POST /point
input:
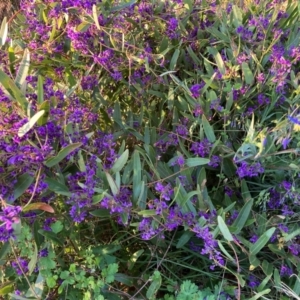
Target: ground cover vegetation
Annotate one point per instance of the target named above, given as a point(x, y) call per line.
point(150, 150)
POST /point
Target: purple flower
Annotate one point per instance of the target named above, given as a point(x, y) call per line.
point(214, 161)
point(285, 142)
point(20, 267)
point(285, 271)
point(166, 191)
point(253, 239)
point(147, 230)
point(246, 170)
point(253, 282)
point(201, 148)
point(8, 217)
point(197, 110)
point(195, 90)
point(294, 120)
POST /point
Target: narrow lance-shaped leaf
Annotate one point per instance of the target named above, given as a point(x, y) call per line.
point(3, 32)
point(262, 241)
point(39, 206)
point(61, 155)
point(174, 59)
point(23, 69)
point(95, 16)
point(209, 132)
point(242, 218)
point(12, 90)
point(224, 229)
point(27, 126)
point(40, 90)
point(218, 59)
point(120, 162)
point(136, 176)
point(23, 183)
point(112, 184)
point(249, 78)
point(44, 118)
point(196, 161)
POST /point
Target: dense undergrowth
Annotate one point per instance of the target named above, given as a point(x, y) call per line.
point(150, 150)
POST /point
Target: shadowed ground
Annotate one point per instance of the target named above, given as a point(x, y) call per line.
point(7, 7)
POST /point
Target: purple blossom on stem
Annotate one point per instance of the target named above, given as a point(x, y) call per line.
point(285, 271)
point(253, 282)
point(214, 161)
point(201, 148)
point(8, 217)
point(246, 170)
point(20, 267)
point(195, 90)
point(294, 120)
point(166, 191)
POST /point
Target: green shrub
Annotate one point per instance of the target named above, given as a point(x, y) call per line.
point(150, 151)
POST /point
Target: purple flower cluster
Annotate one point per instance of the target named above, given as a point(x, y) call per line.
point(8, 217)
point(21, 266)
point(201, 148)
point(245, 169)
point(210, 246)
point(165, 191)
point(196, 88)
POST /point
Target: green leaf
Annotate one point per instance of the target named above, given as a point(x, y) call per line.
point(258, 295)
point(293, 234)
point(33, 261)
point(3, 31)
point(57, 227)
point(5, 249)
point(174, 59)
point(209, 132)
point(242, 218)
point(13, 90)
point(38, 238)
point(249, 78)
point(237, 16)
point(254, 261)
point(225, 251)
point(196, 161)
point(40, 90)
point(23, 183)
point(100, 213)
point(38, 288)
point(51, 236)
point(120, 162)
point(44, 118)
point(224, 229)
point(218, 58)
point(6, 288)
point(23, 69)
point(124, 279)
point(147, 213)
point(61, 155)
point(134, 258)
point(57, 187)
point(154, 286)
point(112, 184)
point(267, 268)
point(95, 16)
point(27, 126)
point(245, 191)
point(137, 168)
point(185, 237)
point(262, 241)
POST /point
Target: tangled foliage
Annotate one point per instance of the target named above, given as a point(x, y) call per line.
point(150, 150)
